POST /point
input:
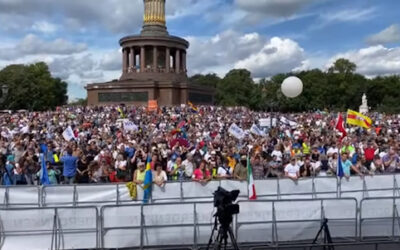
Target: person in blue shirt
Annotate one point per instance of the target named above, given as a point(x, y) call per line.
point(70, 164)
point(348, 166)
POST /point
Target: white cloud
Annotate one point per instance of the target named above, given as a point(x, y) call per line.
point(277, 56)
point(274, 8)
point(230, 49)
point(389, 35)
point(44, 27)
point(33, 45)
point(372, 61)
point(350, 15)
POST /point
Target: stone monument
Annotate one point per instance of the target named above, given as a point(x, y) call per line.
point(153, 68)
point(364, 105)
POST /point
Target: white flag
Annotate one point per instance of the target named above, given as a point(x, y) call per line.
point(256, 130)
point(68, 134)
point(130, 126)
point(237, 132)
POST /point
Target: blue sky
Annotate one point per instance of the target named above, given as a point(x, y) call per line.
point(79, 39)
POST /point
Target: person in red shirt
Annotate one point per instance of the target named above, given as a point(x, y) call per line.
point(369, 153)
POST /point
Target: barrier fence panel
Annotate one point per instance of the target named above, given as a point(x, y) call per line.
point(267, 189)
point(3, 196)
point(353, 187)
point(23, 196)
point(121, 226)
point(197, 191)
point(379, 185)
point(168, 224)
point(27, 228)
point(58, 195)
point(297, 220)
point(325, 187)
point(300, 189)
point(204, 221)
point(49, 228)
point(255, 222)
point(124, 197)
point(95, 194)
point(342, 217)
point(378, 218)
point(170, 192)
point(77, 228)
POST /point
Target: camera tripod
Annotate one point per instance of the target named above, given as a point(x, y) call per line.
point(223, 232)
point(327, 236)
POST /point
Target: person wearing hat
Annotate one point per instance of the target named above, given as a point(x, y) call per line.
point(240, 171)
point(140, 173)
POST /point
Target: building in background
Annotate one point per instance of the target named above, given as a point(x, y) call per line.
point(154, 67)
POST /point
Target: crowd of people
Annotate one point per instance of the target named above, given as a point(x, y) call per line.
point(187, 144)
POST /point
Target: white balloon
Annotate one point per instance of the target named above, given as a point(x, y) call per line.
point(292, 87)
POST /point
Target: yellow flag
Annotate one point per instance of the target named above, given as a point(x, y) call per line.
point(358, 119)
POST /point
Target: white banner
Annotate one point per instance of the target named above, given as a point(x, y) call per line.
point(68, 134)
point(130, 126)
point(256, 130)
point(288, 122)
point(237, 132)
point(266, 122)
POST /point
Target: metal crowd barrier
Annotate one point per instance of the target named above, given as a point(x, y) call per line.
point(274, 189)
point(188, 224)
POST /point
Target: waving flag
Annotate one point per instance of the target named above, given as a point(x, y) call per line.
point(250, 180)
point(148, 180)
point(358, 119)
point(340, 127)
point(193, 108)
point(44, 176)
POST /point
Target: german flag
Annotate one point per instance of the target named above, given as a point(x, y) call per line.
point(358, 119)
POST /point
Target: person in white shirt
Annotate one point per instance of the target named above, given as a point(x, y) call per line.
point(332, 150)
point(188, 164)
point(277, 153)
point(224, 171)
point(292, 170)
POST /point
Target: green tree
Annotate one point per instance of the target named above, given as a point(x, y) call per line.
point(32, 87)
point(343, 66)
point(210, 80)
point(235, 88)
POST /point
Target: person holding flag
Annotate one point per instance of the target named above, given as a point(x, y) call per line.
point(148, 180)
point(193, 108)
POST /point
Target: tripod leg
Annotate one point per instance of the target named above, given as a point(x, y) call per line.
point(233, 239)
point(212, 234)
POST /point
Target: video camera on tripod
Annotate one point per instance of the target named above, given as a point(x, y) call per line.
point(223, 201)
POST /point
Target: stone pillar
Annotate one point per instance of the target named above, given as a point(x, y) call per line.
point(124, 61)
point(155, 56)
point(132, 59)
point(167, 59)
point(142, 59)
point(177, 61)
point(184, 61)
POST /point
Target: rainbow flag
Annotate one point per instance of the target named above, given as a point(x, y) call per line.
point(193, 108)
point(148, 180)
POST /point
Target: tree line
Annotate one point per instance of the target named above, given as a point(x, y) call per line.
point(337, 89)
point(31, 87)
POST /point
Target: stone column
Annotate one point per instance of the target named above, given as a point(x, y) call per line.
point(142, 59)
point(167, 59)
point(184, 61)
point(177, 61)
point(131, 59)
point(134, 58)
point(155, 64)
point(124, 61)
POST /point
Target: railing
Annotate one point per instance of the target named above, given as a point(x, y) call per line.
point(274, 189)
point(270, 223)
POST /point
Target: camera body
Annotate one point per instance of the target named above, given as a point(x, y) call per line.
point(223, 201)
